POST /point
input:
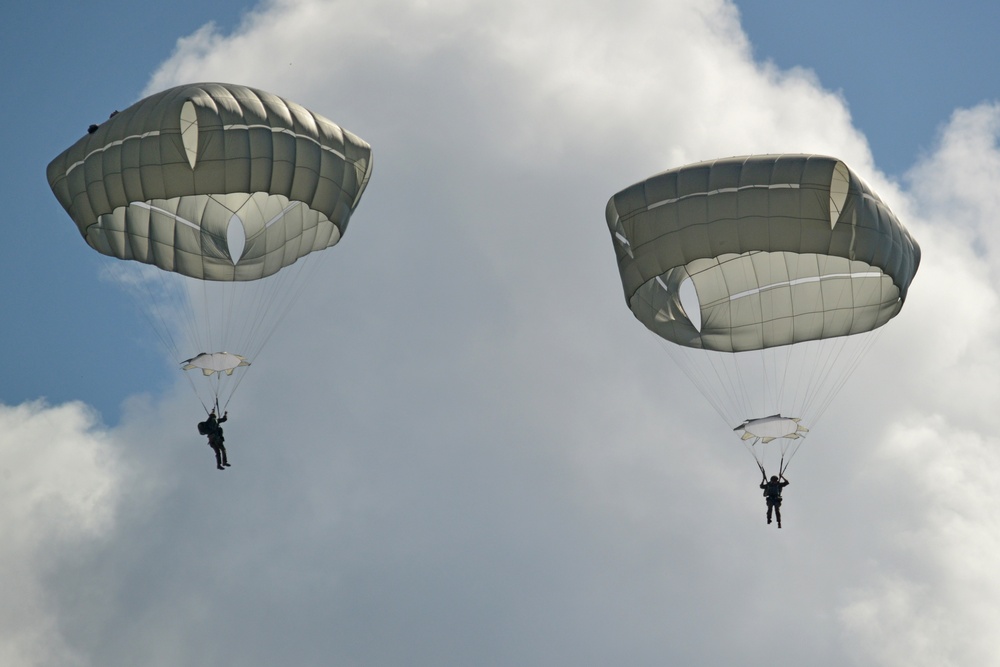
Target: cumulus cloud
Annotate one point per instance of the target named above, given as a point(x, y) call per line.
point(931, 598)
point(492, 462)
point(957, 181)
point(928, 597)
point(59, 494)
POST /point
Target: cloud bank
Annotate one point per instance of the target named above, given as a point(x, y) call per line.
point(58, 496)
point(494, 463)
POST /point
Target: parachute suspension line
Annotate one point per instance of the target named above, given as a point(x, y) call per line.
point(255, 300)
point(726, 380)
point(773, 373)
point(243, 297)
point(781, 465)
point(171, 312)
point(741, 382)
point(786, 353)
point(806, 378)
point(235, 333)
point(728, 377)
point(159, 296)
point(846, 355)
point(752, 377)
point(251, 345)
point(188, 320)
point(291, 284)
point(868, 341)
point(723, 378)
point(832, 363)
point(810, 375)
point(826, 364)
point(788, 452)
point(751, 447)
point(209, 344)
point(734, 384)
point(226, 317)
point(768, 383)
point(216, 381)
point(137, 285)
point(240, 316)
point(697, 375)
point(165, 301)
point(259, 302)
point(225, 406)
point(196, 392)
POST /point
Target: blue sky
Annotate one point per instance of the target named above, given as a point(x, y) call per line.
point(902, 69)
point(461, 448)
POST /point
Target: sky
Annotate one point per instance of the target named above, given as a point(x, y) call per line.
point(460, 448)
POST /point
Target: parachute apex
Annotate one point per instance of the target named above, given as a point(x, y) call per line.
point(770, 428)
point(215, 362)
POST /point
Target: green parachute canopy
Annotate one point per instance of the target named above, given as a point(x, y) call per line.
point(780, 249)
point(765, 275)
point(225, 187)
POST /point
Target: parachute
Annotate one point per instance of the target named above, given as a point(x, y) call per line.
point(766, 276)
point(226, 193)
point(216, 362)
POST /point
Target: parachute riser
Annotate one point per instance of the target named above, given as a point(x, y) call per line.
point(782, 463)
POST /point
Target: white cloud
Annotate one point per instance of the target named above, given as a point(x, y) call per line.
point(958, 181)
point(929, 598)
point(494, 464)
point(58, 495)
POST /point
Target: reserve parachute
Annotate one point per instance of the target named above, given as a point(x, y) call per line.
point(220, 196)
point(766, 276)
